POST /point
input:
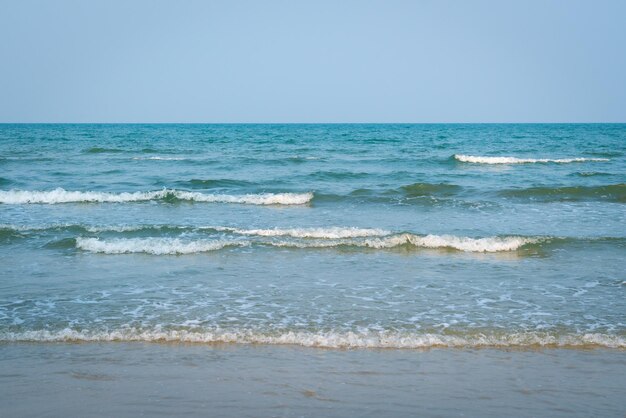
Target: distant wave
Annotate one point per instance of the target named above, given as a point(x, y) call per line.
point(335, 175)
point(327, 339)
point(215, 183)
point(513, 160)
point(589, 173)
point(101, 150)
point(415, 193)
point(612, 193)
point(160, 246)
point(104, 150)
point(60, 195)
point(302, 158)
point(160, 158)
point(451, 194)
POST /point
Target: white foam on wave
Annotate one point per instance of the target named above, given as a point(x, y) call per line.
point(159, 246)
point(155, 246)
point(330, 339)
point(326, 233)
point(252, 199)
point(488, 244)
point(60, 195)
point(161, 158)
point(513, 160)
point(466, 244)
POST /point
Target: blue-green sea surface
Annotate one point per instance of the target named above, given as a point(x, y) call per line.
point(399, 236)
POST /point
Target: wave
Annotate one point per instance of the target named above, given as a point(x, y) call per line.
point(429, 189)
point(612, 193)
point(513, 160)
point(490, 244)
point(447, 242)
point(101, 150)
point(155, 246)
point(327, 233)
point(154, 151)
point(104, 150)
point(328, 339)
point(335, 175)
point(83, 228)
point(415, 193)
point(589, 174)
point(302, 158)
point(7, 234)
point(60, 195)
point(162, 246)
point(308, 237)
point(215, 183)
point(161, 158)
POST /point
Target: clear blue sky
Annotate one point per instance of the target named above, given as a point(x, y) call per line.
point(313, 61)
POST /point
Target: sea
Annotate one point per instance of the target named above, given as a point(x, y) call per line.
point(396, 238)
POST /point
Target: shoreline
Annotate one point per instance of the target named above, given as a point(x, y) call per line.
point(223, 344)
point(337, 339)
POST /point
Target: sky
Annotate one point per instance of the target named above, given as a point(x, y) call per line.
point(312, 61)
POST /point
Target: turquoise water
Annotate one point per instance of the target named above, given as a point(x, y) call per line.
point(319, 235)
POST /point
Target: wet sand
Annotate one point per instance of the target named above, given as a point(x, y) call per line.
point(131, 379)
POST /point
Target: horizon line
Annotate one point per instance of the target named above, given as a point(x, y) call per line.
point(312, 123)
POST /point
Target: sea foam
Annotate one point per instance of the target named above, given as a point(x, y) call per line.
point(380, 238)
point(328, 339)
point(156, 246)
point(488, 244)
point(160, 246)
point(324, 233)
point(60, 195)
point(513, 160)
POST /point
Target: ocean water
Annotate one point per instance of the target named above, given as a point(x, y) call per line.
point(351, 236)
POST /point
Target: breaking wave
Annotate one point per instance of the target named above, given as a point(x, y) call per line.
point(329, 339)
point(156, 246)
point(513, 160)
point(322, 239)
point(60, 195)
point(185, 239)
point(327, 233)
point(466, 244)
point(490, 244)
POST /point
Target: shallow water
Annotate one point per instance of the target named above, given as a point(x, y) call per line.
point(399, 236)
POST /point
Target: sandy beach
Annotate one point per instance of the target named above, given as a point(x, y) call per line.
point(128, 380)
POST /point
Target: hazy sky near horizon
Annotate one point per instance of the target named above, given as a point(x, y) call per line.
point(312, 61)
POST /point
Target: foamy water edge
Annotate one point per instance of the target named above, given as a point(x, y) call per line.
point(330, 339)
